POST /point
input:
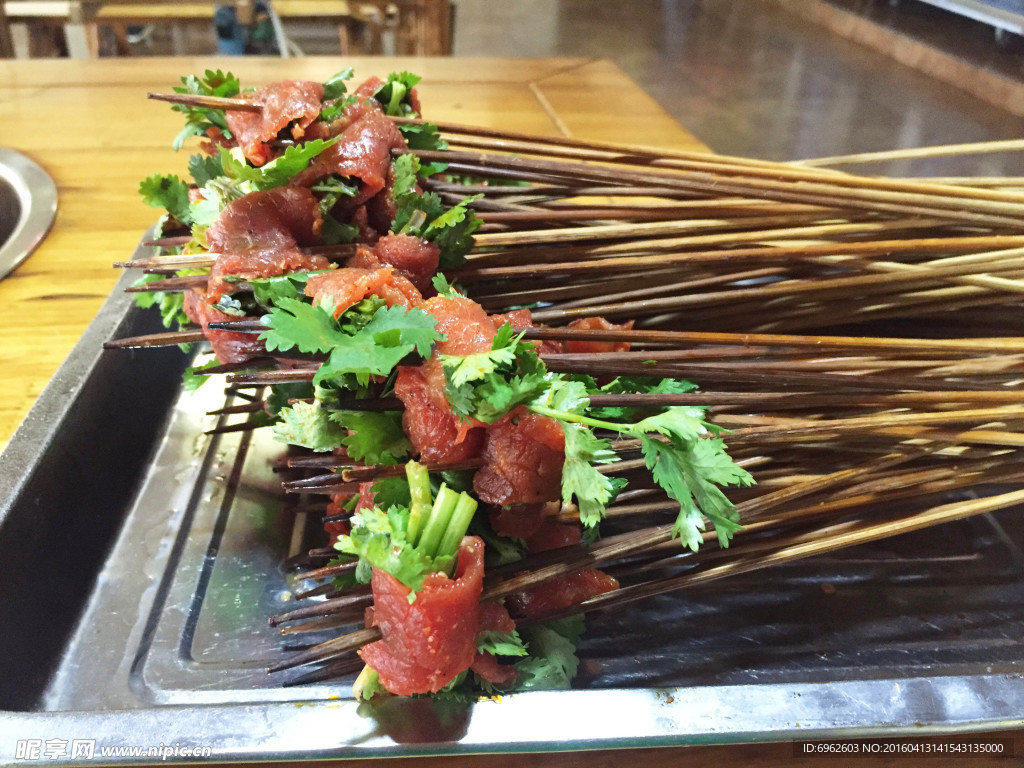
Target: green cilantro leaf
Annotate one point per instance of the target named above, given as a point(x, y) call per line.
point(391, 492)
point(391, 334)
point(451, 229)
point(205, 168)
point(565, 395)
point(407, 168)
point(487, 385)
point(336, 87)
point(378, 539)
point(296, 324)
point(356, 317)
point(168, 192)
point(690, 469)
point(310, 426)
point(335, 232)
point(444, 288)
point(393, 326)
point(680, 423)
point(199, 119)
point(637, 384)
point(500, 643)
point(193, 378)
point(592, 490)
point(394, 94)
point(552, 662)
point(333, 189)
point(278, 171)
point(280, 394)
point(453, 232)
point(375, 437)
point(425, 136)
point(171, 305)
point(462, 369)
point(269, 291)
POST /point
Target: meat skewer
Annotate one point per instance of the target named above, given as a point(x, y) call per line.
point(946, 407)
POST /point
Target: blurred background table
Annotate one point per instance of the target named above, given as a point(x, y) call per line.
point(420, 27)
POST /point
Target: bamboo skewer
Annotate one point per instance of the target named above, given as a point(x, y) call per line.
point(796, 547)
point(946, 150)
point(701, 228)
point(211, 102)
point(948, 207)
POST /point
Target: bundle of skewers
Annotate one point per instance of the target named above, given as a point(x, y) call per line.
point(531, 353)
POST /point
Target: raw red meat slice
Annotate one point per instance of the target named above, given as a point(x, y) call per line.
point(523, 460)
point(349, 285)
point(262, 235)
point(363, 151)
point(517, 521)
point(559, 593)
point(597, 324)
point(434, 431)
point(552, 534)
point(425, 644)
point(465, 325)
point(430, 425)
point(228, 347)
point(519, 318)
point(523, 318)
point(413, 257)
point(284, 103)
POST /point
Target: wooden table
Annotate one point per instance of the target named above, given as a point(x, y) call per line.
point(90, 125)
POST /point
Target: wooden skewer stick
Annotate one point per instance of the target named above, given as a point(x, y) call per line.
point(794, 172)
point(966, 346)
point(211, 102)
point(803, 544)
point(945, 150)
point(950, 207)
point(156, 340)
point(176, 261)
point(172, 284)
point(807, 546)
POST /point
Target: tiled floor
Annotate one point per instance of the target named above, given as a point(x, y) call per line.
point(745, 77)
point(749, 79)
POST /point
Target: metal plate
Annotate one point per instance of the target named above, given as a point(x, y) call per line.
point(140, 559)
point(28, 204)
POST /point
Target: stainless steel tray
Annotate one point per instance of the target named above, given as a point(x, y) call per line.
point(140, 559)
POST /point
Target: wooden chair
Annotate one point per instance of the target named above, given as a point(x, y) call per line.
point(421, 27)
point(6, 41)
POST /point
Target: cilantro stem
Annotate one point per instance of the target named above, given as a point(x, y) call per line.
point(366, 684)
point(437, 521)
point(624, 429)
point(457, 526)
point(419, 491)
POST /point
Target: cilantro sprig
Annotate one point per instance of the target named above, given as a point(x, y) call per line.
point(200, 119)
point(689, 461)
point(425, 215)
point(395, 95)
point(411, 542)
point(487, 385)
point(169, 193)
point(373, 350)
point(684, 453)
